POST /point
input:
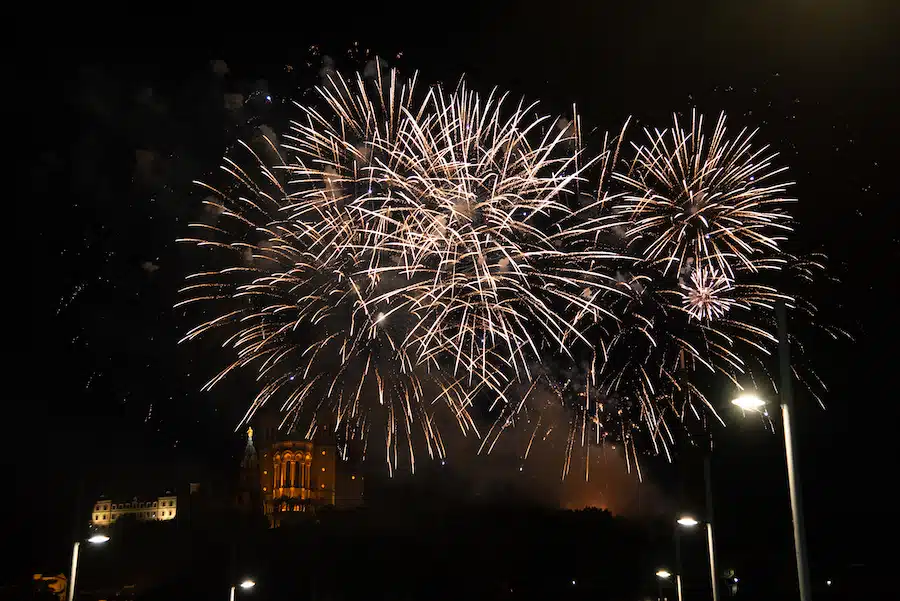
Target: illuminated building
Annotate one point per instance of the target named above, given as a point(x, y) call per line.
point(107, 511)
point(294, 474)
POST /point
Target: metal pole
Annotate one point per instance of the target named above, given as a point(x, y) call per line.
point(713, 575)
point(74, 572)
point(787, 407)
point(231, 569)
point(678, 564)
point(76, 534)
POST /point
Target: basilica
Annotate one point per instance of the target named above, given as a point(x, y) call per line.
point(283, 473)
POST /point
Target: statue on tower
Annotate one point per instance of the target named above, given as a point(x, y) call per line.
point(248, 490)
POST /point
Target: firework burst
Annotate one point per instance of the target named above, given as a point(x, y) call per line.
point(705, 221)
point(690, 195)
point(404, 252)
point(393, 255)
point(705, 297)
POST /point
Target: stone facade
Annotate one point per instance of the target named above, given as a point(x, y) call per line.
point(107, 511)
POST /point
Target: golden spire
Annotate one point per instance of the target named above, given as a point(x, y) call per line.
point(250, 433)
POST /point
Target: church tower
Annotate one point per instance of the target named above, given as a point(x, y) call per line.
point(293, 474)
point(249, 498)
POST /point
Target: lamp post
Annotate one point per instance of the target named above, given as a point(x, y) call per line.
point(750, 402)
point(661, 574)
point(247, 584)
point(684, 521)
point(97, 539)
point(710, 539)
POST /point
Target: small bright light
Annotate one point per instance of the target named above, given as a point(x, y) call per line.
point(573, 583)
point(749, 402)
point(248, 584)
point(98, 539)
point(664, 574)
point(269, 98)
point(687, 521)
point(828, 582)
point(737, 580)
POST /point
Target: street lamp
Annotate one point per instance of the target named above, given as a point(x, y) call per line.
point(684, 521)
point(751, 402)
point(97, 539)
point(246, 584)
point(661, 574)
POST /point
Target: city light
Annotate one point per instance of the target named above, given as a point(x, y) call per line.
point(687, 521)
point(664, 574)
point(749, 402)
point(247, 584)
point(98, 539)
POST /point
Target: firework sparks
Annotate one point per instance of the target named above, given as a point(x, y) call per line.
point(395, 235)
point(689, 195)
point(705, 297)
point(404, 250)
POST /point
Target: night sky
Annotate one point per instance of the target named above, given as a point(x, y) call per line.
point(107, 142)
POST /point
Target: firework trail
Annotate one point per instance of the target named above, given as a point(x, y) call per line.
point(706, 222)
point(397, 252)
point(688, 194)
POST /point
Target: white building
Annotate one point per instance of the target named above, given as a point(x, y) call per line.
point(106, 511)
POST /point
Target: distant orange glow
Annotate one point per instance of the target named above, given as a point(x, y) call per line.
point(575, 505)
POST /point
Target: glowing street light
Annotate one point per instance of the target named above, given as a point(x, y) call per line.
point(661, 575)
point(749, 402)
point(97, 539)
point(685, 521)
point(246, 584)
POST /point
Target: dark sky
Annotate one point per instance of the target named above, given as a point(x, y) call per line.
point(111, 127)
